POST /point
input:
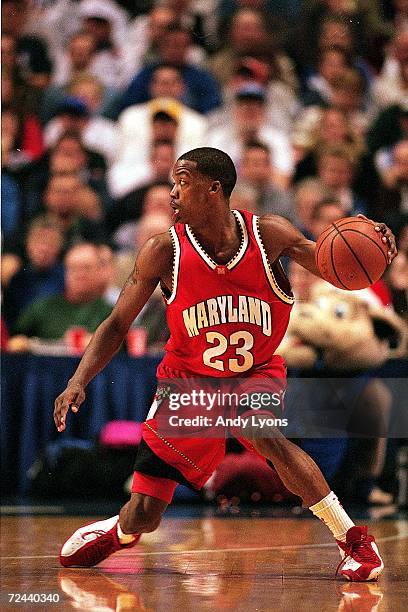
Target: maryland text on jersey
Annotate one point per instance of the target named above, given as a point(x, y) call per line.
point(228, 309)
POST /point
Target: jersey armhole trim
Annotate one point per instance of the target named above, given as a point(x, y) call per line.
point(176, 264)
point(278, 291)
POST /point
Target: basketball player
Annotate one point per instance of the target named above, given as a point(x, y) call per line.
point(228, 307)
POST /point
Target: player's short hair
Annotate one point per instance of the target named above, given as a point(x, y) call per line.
point(215, 164)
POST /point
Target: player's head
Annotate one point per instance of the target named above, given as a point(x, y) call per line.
point(215, 165)
point(203, 181)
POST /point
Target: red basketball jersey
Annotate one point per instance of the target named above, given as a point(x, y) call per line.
point(225, 320)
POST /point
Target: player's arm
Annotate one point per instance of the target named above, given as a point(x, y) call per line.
point(278, 233)
point(153, 264)
point(281, 238)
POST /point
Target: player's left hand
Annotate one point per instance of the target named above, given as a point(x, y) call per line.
point(387, 237)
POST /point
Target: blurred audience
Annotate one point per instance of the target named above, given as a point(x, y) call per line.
point(257, 171)
point(336, 168)
point(98, 134)
point(249, 34)
point(98, 101)
point(202, 90)
point(39, 272)
point(145, 124)
point(307, 195)
point(75, 207)
point(249, 121)
point(155, 211)
point(332, 63)
point(331, 127)
point(31, 51)
point(397, 275)
point(325, 212)
point(80, 305)
point(391, 198)
point(391, 86)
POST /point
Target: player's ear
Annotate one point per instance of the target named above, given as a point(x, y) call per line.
point(215, 186)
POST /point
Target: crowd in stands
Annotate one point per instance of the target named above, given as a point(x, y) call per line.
point(99, 98)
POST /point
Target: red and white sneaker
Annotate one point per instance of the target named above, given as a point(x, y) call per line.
point(361, 560)
point(93, 543)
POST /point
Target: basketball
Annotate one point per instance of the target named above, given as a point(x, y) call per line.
point(350, 253)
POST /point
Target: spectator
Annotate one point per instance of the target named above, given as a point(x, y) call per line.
point(332, 63)
point(57, 21)
point(397, 276)
point(158, 171)
point(392, 88)
point(107, 276)
point(69, 156)
point(40, 273)
point(391, 198)
point(81, 303)
point(21, 146)
point(156, 203)
point(197, 17)
point(324, 213)
point(74, 207)
point(307, 194)
point(32, 53)
point(337, 29)
point(202, 91)
point(257, 170)
point(16, 90)
point(249, 122)
point(97, 133)
point(336, 168)
point(250, 34)
point(75, 60)
point(331, 128)
point(347, 98)
point(107, 23)
point(21, 138)
point(282, 102)
point(146, 31)
point(144, 124)
point(245, 197)
point(399, 11)
point(100, 100)
point(153, 316)
point(390, 127)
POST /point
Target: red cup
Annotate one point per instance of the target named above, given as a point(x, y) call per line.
point(137, 341)
point(77, 339)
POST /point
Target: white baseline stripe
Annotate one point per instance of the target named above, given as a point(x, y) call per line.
point(400, 536)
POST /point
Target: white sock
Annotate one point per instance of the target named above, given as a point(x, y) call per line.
point(124, 538)
point(331, 512)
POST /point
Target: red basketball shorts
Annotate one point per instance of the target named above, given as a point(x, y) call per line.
point(189, 455)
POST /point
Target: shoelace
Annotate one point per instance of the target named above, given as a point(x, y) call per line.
point(364, 549)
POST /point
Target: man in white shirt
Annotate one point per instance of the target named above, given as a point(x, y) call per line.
point(248, 121)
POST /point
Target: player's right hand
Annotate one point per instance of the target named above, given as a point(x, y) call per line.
point(72, 397)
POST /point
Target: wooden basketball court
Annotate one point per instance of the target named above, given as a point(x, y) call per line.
point(197, 564)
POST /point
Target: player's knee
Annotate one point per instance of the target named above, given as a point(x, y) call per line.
point(142, 514)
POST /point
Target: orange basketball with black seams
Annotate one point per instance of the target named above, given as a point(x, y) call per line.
point(350, 253)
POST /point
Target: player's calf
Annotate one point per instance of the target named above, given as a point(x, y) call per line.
point(142, 514)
